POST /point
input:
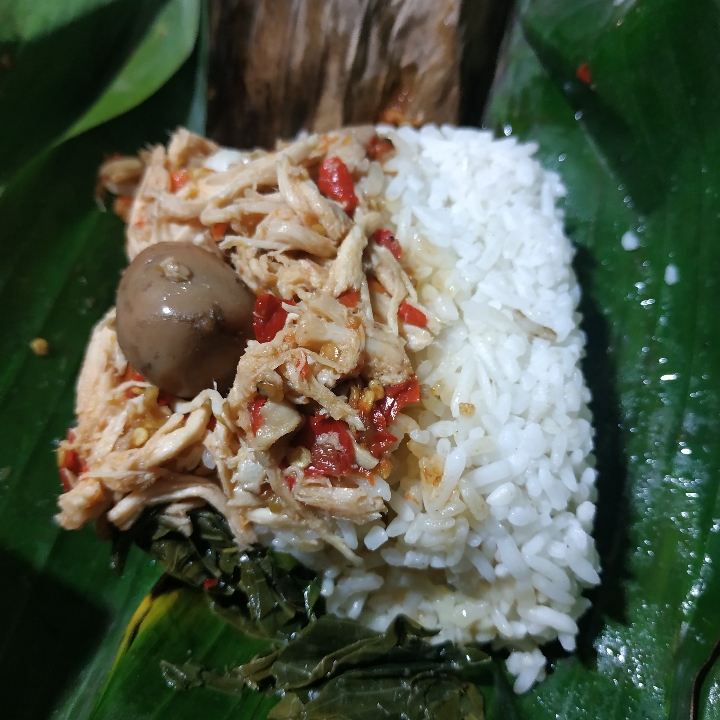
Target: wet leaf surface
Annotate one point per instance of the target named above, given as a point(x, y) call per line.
point(637, 149)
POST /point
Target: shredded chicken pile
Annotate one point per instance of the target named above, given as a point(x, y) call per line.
point(304, 394)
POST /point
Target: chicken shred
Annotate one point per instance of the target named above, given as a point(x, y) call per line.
point(243, 453)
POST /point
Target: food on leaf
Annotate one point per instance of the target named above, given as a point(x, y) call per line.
point(410, 419)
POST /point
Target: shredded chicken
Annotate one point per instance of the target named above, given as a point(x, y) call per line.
point(260, 454)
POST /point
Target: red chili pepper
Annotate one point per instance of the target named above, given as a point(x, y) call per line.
point(256, 419)
point(122, 205)
point(411, 315)
point(377, 441)
point(210, 583)
point(335, 181)
point(269, 316)
point(68, 459)
point(388, 240)
point(349, 298)
point(178, 179)
point(290, 481)
point(396, 398)
point(379, 420)
point(331, 447)
point(583, 73)
point(378, 147)
point(132, 375)
point(71, 461)
point(218, 230)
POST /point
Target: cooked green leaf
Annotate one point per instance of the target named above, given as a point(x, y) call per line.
point(336, 668)
point(264, 593)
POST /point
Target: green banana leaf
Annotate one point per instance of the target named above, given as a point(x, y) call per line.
point(166, 626)
point(709, 695)
point(63, 610)
point(167, 44)
point(638, 151)
point(636, 138)
point(57, 58)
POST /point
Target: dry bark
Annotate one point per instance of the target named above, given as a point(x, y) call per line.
point(279, 66)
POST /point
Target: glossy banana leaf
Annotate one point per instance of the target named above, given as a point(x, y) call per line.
point(174, 625)
point(62, 610)
point(167, 44)
point(58, 58)
point(623, 99)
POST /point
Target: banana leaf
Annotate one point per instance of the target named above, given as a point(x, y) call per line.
point(623, 100)
point(167, 44)
point(43, 43)
point(63, 609)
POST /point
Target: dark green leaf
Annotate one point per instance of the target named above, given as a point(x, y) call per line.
point(638, 150)
point(709, 700)
point(263, 593)
point(166, 46)
point(63, 609)
point(56, 59)
point(337, 668)
point(172, 624)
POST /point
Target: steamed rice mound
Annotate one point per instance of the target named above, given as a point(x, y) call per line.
point(479, 520)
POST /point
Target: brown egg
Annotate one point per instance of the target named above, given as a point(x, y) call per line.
point(183, 318)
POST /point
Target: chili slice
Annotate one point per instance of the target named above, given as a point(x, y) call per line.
point(335, 181)
point(218, 230)
point(583, 74)
point(377, 147)
point(388, 240)
point(396, 398)
point(178, 179)
point(349, 298)
point(411, 315)
point(376, 441)
point(269, 317)
point(256, 419)
point(331, 447)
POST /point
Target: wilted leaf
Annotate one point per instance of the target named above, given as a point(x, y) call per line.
point(262, 592)
point(337, 668)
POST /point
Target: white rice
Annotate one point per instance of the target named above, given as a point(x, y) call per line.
point(499, 550)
